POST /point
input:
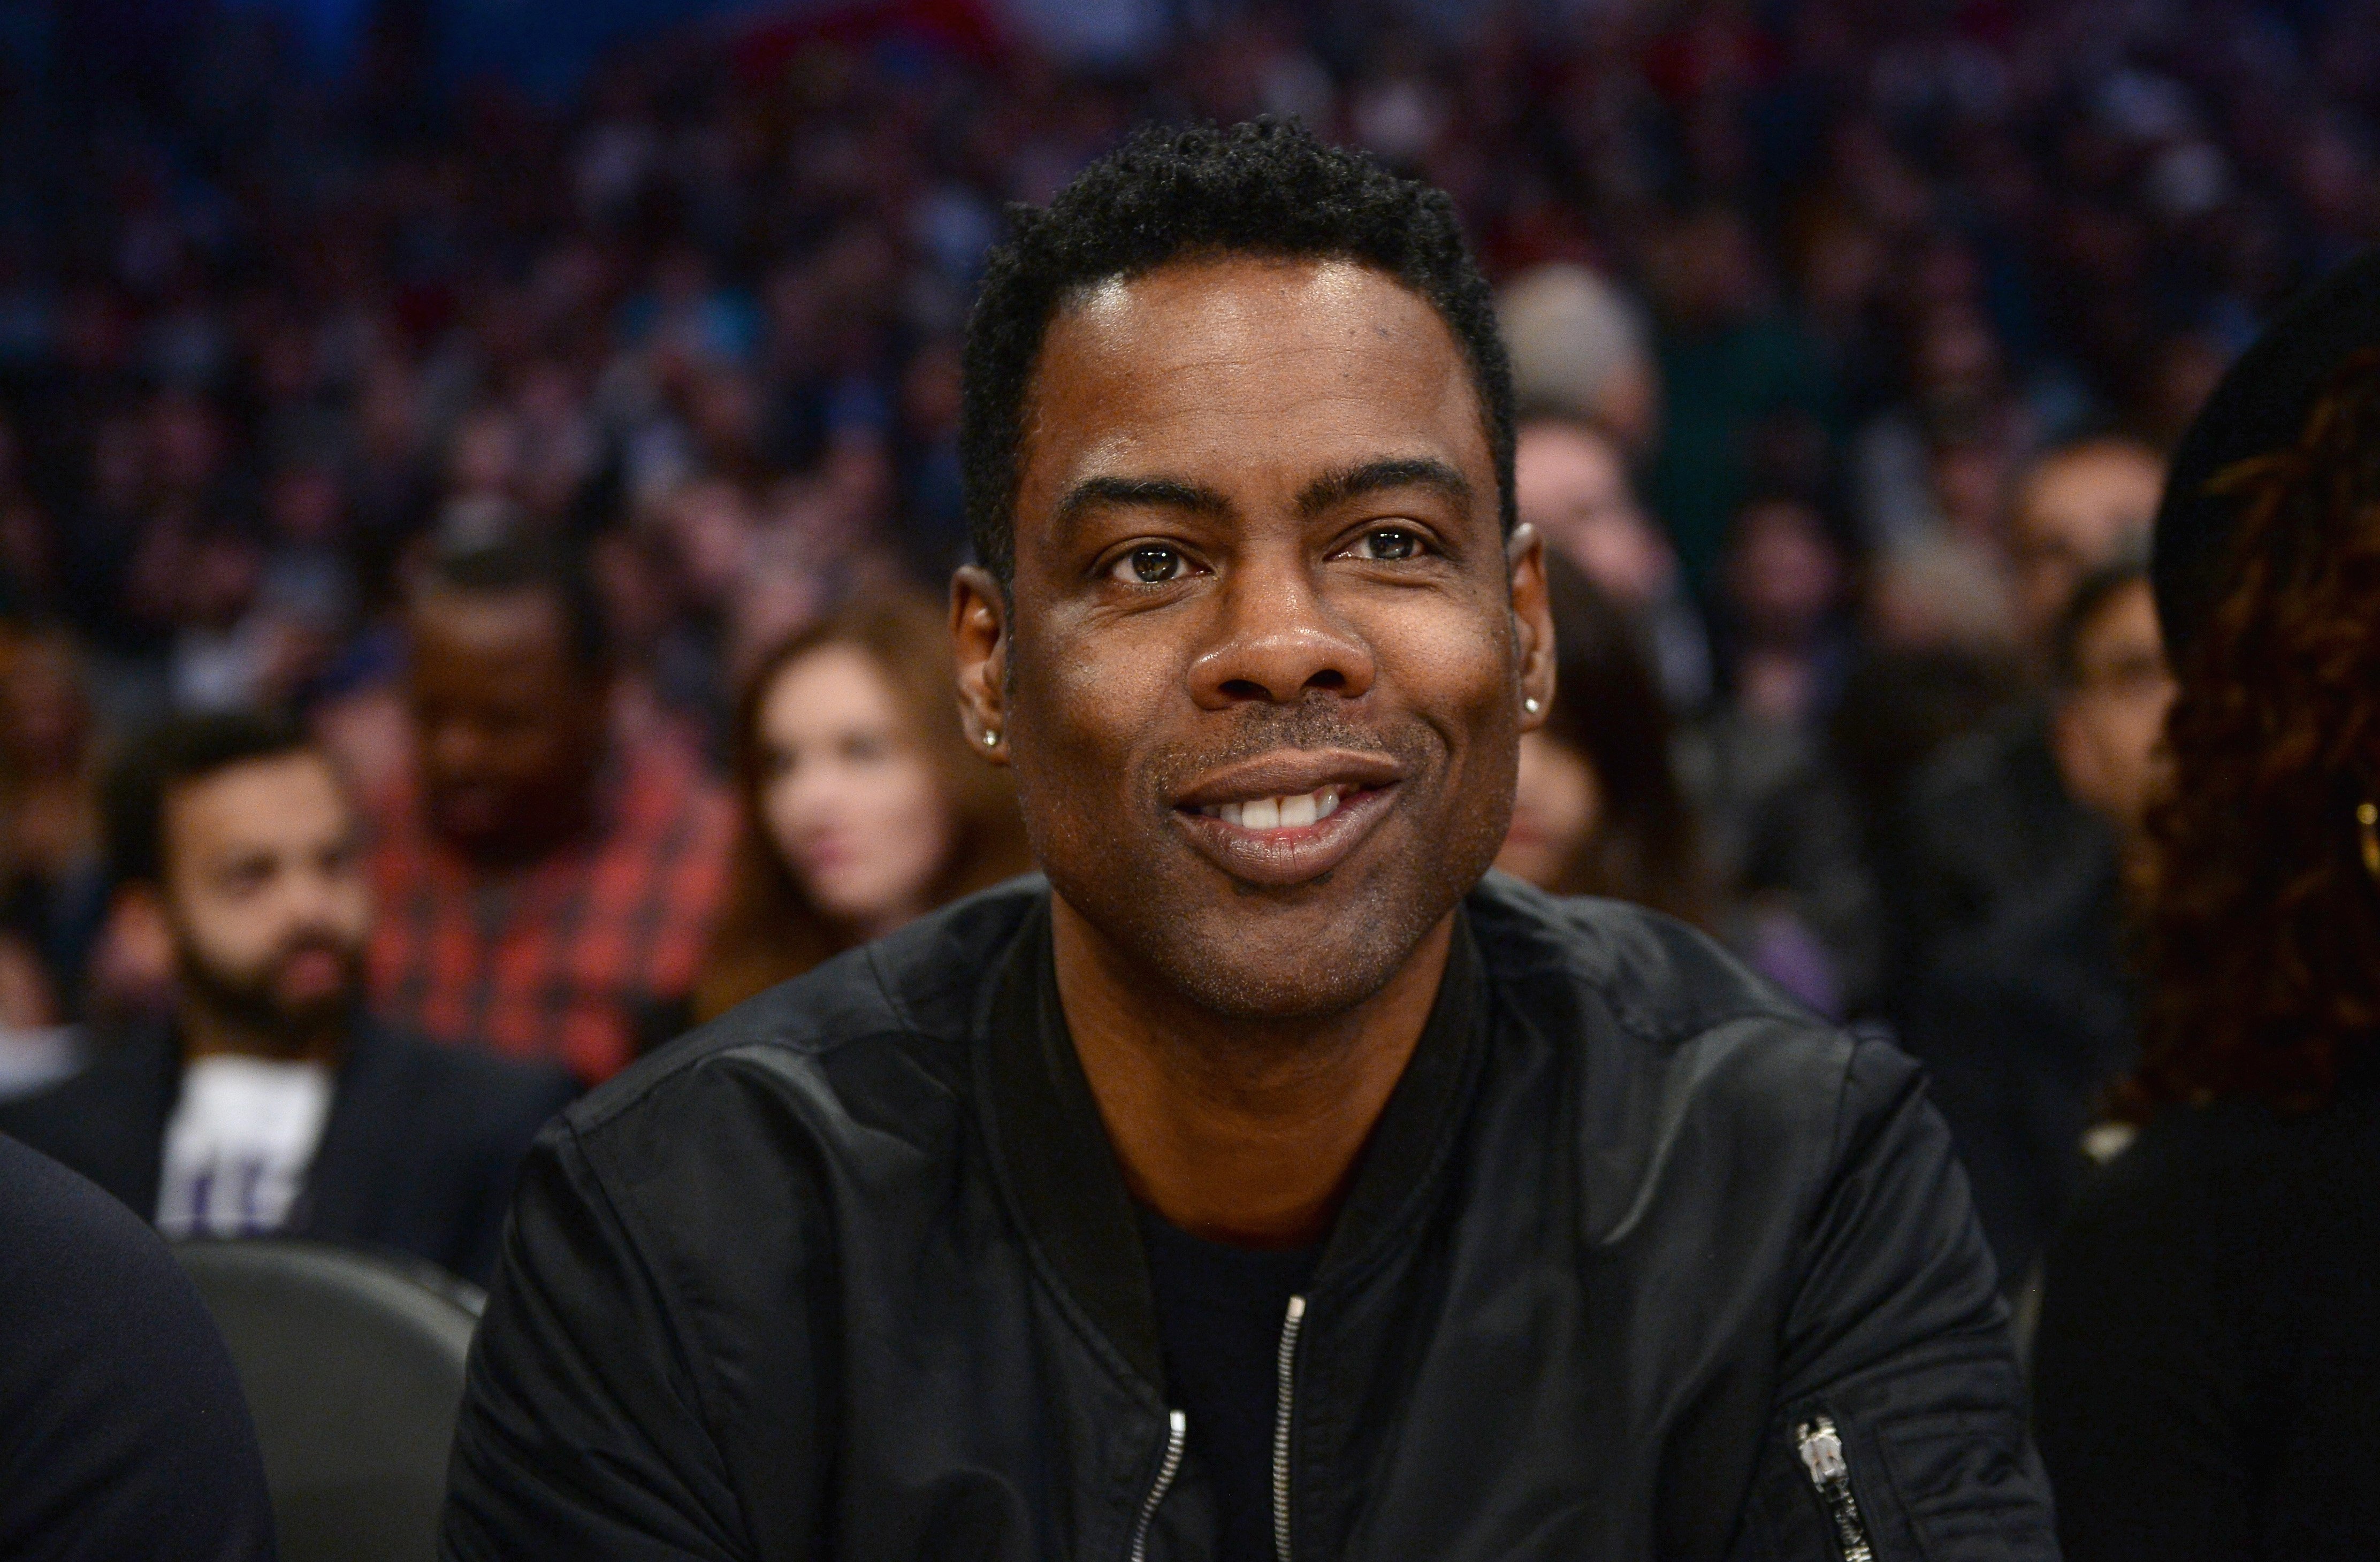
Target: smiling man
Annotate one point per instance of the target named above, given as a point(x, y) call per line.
point(1266, 1183)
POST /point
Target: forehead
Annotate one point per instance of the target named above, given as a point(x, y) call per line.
point(2091, 490)
point(505, 633)
point(1240, 369)
point(260, 805)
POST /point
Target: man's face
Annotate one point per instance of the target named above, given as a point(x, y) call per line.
point(1268, 647)
point(263, 889)
point(2074, 514)
point(2110, 726)
point(509, 727)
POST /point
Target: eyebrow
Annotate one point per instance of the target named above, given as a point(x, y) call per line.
point(1158, 494)
point(1334, 489)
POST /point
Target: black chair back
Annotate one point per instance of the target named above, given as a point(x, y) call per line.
point(353, 1367)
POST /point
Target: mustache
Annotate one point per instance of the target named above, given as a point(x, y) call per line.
point(1319, 722)
point(312, 943)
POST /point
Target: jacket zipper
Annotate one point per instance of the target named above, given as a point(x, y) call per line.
point(1821, 1448)
point(1290, 1326)
point(1177, 1432)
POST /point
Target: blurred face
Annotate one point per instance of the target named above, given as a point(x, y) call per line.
point(1555, 810)
point(1783, 573)
point(2111, 727)
point(1573, 488)
point(2076, 513)
point(509, 728)
point(848, 794)
point(265, 895)
point(1268, 648)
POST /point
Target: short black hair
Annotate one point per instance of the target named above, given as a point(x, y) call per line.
point(513, 565)
point(171, 755)
point(2091, 598)
point(1265, 187)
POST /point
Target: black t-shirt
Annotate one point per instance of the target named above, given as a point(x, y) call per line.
point(122, 1428)
point(1221, 1312)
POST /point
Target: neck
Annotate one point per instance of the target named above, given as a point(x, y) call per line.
point(1237, 1130)
point(208, 1032)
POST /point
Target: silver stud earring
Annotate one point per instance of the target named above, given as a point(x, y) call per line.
point(1530, 705)
point(991, 740)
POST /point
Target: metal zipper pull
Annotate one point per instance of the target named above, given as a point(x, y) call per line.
point(1821, 1448)
point(1281, 1421)
point(1177, 1433)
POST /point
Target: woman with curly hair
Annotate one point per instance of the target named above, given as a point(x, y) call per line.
point(2207, 1370)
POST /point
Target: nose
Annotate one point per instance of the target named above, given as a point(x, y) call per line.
point(1276, 639)
point(456, 748)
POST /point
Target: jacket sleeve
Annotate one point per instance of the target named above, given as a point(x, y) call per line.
point(1899, 1409)
point(581, 1433)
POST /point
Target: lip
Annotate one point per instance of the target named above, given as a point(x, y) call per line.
point(1285, 772)
point(1283, 858)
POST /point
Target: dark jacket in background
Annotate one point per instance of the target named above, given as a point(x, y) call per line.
point(2023, 1026)
point(122, 1428)
point(852, 1273)
point(1988, 821)
point(2207, 1370)
point(417, 1155)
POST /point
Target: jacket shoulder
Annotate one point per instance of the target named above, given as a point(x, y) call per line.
point(911, 998)
point(1661, 981)
point(1679, 1056)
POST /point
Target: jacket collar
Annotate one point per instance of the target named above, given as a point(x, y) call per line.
point(1052, 1149)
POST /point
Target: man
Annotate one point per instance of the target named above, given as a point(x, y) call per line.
point(1263, 1184)
point(271, 1103)
point(2077, 509)
point(1989, 818)
point(2024, 1021)
point(550, 887)
point(122, 1428)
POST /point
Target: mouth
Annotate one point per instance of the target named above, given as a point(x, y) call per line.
point(1290, 818)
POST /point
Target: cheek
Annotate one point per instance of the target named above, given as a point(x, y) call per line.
point(783, 814)
point(912, 829)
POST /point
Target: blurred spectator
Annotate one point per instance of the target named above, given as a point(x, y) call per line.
point(123, 1429)
point(52, 883)
point(1991, 817)
point(552, 881)
point(2025, 1022)
point(1743, 389)
point(1579, 350)
point(862, 805)
point(270, 1102)
point(2077, 508)
point(1781, 830)
point(2208, 1368)
point(1598, 810)
point(1571, 481)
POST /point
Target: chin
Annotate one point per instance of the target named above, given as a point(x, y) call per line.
point(1235, 960)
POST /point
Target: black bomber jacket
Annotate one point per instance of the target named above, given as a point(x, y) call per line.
point(1640, 1262)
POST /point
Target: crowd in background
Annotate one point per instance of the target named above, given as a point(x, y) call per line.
point(584, 476)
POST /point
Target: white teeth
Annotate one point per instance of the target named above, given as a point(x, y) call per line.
point(1278, 813)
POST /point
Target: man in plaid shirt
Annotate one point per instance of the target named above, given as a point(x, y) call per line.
point(545, 887)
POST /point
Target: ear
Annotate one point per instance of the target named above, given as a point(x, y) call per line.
point(979, 647)
point(1532, 625)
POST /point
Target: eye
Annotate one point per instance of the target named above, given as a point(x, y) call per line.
point(1151, 564)
point(1387, 544)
